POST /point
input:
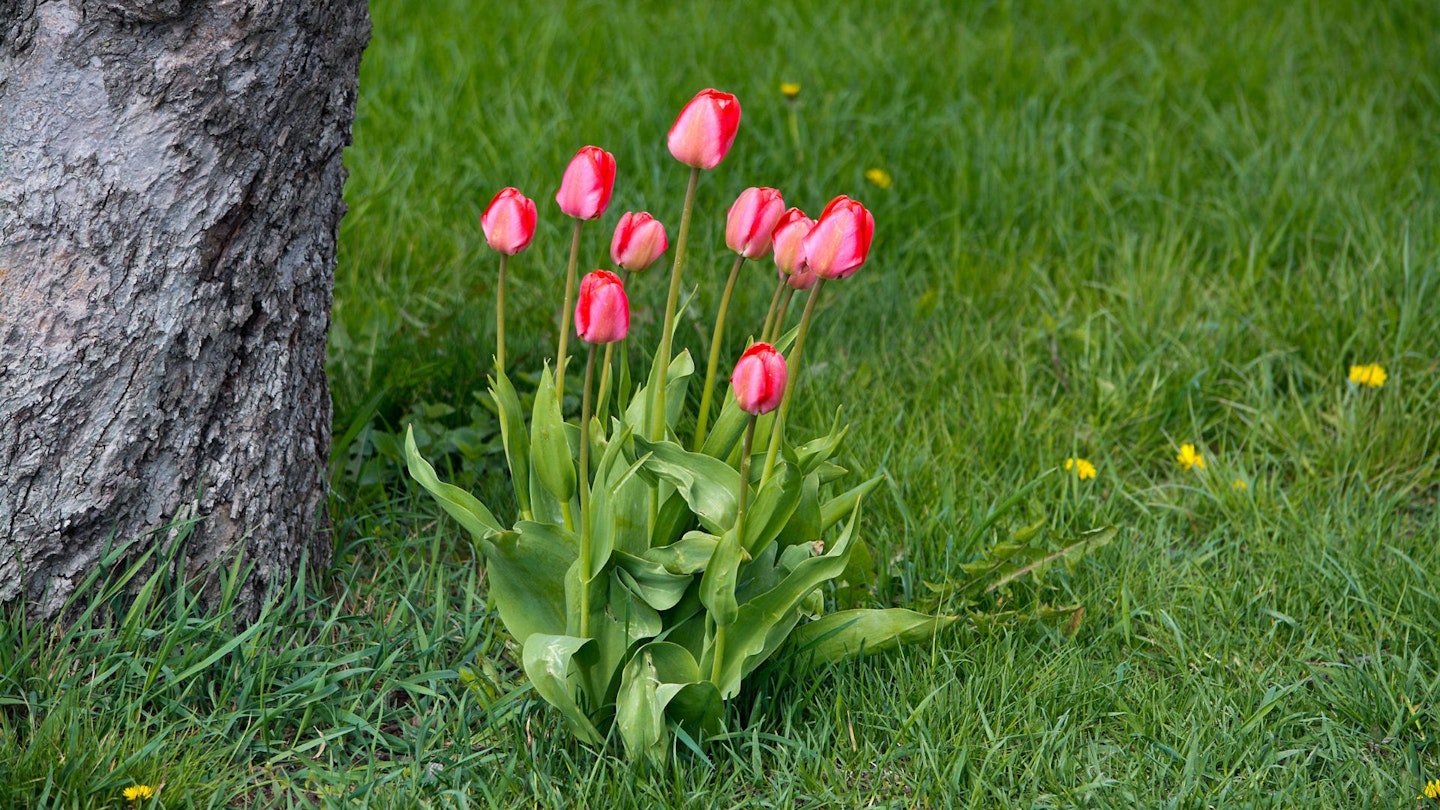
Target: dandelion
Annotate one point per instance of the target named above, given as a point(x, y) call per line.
point(879, 177)
point(790, 90)
point(1371, 375)
point(1189, 459)
point(1238, 484)
point(1432, 790)
point(1082, 468)
point(138, 793)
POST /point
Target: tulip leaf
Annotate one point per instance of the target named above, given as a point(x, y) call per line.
point(662, 681)
point(549, 445)
point(849, 633)
point(526, 570)
point(812, 453)
point(772, 508)
point(750, 639)
point(514, 438)
point(717, 584)
point(649, 580)
point(688, 555)
point(677, 379)
point(459, 504)
point(708, 485)
point(602, 515)
point(835, 509)
point(547, 660)
point(804, 524)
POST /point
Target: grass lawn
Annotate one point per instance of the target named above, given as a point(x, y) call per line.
point(1114, 228)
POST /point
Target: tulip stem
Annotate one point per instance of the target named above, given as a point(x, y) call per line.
point(566, 313)
point(500, 316)
point(657, 413)
point(604, 396)
point(779, 328)
point(770, 315)
point(744, 495)
point(793, 363)
point(585, 494)
point(702, 421)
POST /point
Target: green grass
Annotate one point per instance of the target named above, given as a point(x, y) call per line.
point(1114, 228)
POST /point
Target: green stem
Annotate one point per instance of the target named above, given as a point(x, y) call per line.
point(585, 495)
point(657, 413)
point(500, 316)
point(567, 313)
point(745, 449)
point(779, 328)
point(604, 398)
point(770, 315)
point(793, 372)
point(702, 421)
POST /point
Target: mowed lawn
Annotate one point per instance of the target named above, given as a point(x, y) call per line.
point(1111, 229)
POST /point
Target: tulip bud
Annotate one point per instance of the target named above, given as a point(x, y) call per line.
point(789, 236)
point(602, 315)
point(589, 179)
point(751, 221)
point(704, 131)
point(759, 379)
point(639, 240)
point(509, 221)
point(840, 241)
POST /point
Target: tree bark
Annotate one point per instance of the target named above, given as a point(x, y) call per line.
point(170, 178)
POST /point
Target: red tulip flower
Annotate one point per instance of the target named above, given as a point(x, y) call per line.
point(789, 237)
point(751, 221)
point(639, 240)
point(509, 221)
point(759, 379)
point(705, 130)
point(589, 179)
point(840, 241)
point(602, 315)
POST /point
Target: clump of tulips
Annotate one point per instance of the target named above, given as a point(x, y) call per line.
point(647, 575)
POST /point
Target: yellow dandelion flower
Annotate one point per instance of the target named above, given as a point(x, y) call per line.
point(791, 90)
point(1372, 375)
point(879, 177)
point(1189, 459)
point(1432, 790)
point(1239, 484)
point(1083, 469)
point(136, 793)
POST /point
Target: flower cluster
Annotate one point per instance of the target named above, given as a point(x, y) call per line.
point(647, 574)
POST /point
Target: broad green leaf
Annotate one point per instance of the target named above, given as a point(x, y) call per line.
point(812, 453)
point(459, 504)
point(514, 437)
point(549, 444)
point(709, 486)
point(527, 577)
point(676, 381)
point(804, 524)
point(602, 515)
point(772, 508)
point(835, 509)
point(688, 555)
point(853, 632)
point(649, 580)
point(657, 674)
point(547, 660)
point(750, 639)
point(717, 584)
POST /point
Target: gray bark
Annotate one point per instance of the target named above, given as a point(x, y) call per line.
point(170, 181)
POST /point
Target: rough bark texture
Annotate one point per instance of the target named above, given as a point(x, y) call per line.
point(170, 184)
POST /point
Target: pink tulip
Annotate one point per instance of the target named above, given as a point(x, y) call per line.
point(759, 379)
point(789, 236)
point(639, 240)
point(602, 315)
point(751, 220)
point(589, 179)
point(509, 221)
point(840, 241)
point(704, 131)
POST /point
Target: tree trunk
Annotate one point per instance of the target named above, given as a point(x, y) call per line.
point(170, 184)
